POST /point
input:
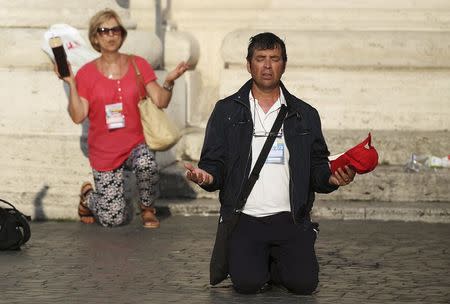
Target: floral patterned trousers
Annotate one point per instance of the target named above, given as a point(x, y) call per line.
point(107, 202)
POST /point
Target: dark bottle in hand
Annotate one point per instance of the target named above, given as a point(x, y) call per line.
point(60, 56)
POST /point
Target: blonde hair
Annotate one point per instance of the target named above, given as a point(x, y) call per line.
point(99, 18)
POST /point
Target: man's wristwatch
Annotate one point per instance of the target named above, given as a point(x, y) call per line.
point(168, 87)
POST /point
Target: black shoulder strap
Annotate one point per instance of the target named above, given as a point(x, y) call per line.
point(5, 202)
point(27, 217)
point(262, 158)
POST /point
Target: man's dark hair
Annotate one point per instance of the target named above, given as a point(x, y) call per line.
point(266, 41)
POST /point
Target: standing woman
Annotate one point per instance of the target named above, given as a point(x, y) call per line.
point(105, 90)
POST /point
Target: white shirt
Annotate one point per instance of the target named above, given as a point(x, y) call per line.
point(270, 195)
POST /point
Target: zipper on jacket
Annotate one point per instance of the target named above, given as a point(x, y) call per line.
point(245, 177)
point(291, 187)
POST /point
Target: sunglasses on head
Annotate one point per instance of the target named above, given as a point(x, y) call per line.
point(103, 31)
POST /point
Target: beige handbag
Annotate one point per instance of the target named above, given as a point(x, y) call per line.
point(160, 133)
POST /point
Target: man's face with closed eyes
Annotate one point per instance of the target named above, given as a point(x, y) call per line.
point(266, 67)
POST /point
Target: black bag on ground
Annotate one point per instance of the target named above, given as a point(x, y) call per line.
point(14, 228)
point(218, 267)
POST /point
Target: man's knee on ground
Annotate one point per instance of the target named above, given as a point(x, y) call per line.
point(301, 285)
point(247, 285)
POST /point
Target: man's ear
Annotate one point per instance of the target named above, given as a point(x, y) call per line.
point(249, 67)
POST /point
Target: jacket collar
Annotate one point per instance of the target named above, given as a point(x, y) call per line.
point(293, 103)
point(241, 96)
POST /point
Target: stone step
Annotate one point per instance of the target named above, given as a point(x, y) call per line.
point(53, 160)
point(347, 49)
point(60, 153)
point(59, 162)
point(386, 183)
point(394, 147)
point(37, 103)
point(393, 184)
point(57, 4)
point(430, 18)
point(22, 48)
point(43, 172)
point(25, 13)
point(304, 4)
point(431, 212)
point(366, 99)
point(41, 14)
point(51, 190)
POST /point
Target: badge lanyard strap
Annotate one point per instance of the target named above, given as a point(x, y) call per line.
point(256, 112)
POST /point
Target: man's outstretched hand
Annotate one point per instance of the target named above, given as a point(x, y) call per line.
point(197, 175)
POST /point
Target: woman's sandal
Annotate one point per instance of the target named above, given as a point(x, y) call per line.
point(85, 214)
point(149, 218)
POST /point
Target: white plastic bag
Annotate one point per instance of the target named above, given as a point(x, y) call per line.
point(78, 51)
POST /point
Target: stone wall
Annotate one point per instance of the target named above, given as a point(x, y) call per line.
point(379, 66)
point(343, 55)
point(367, 66)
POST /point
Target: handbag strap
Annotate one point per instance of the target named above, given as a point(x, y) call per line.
point(14, 209)
point(261, 158)
point(139, 79)
point(5, 202)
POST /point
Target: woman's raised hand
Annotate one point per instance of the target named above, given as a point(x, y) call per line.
point(177, 72)
point(67, 79)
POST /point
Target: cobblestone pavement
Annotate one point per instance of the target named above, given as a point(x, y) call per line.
point(361, 262)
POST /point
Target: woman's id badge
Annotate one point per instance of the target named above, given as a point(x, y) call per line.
point(276, 154)
point(114, 115)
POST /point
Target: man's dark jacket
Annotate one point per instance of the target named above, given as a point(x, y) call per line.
point(226, 152)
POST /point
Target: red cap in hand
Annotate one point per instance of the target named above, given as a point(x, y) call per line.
point(360, 158)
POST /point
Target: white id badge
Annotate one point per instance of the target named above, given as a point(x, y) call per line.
point(276, 154)
point(114, 115)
